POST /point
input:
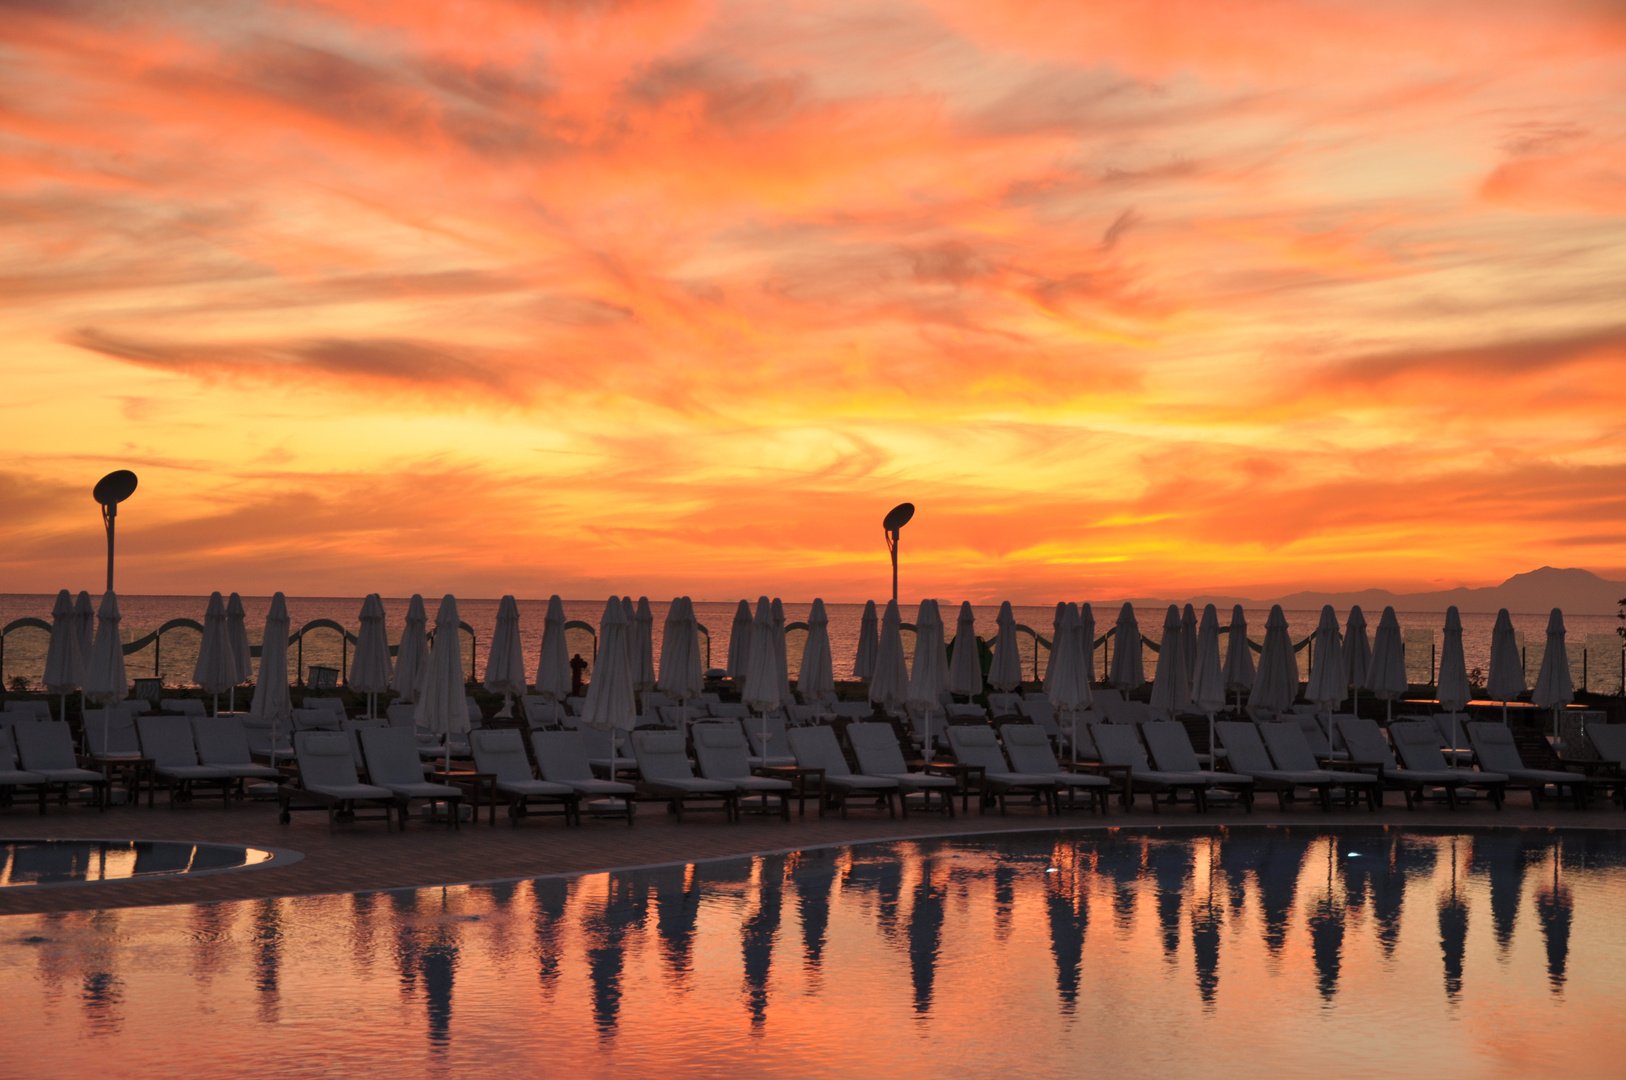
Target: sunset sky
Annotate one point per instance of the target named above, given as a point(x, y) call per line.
point(1132, 298)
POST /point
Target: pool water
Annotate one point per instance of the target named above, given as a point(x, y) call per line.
point(1361, 952)
point(33, 863)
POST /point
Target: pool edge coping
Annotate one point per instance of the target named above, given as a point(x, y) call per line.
point(280, 857)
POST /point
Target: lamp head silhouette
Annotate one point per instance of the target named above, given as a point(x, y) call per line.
point(893, 523)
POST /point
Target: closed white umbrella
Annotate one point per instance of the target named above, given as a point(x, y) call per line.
point(1128, 669)
point(1238, 656)
point(1328, 680)
point(84, 625)
point(271, 700)
point(1386, 678)
point(643, 672)
point(1069, 689)
point(412, 656)
point(739, 641)
point(1276, 683)
point(1056, 632)
point(681, 675)
point(370, 669)
point(781, 654)
point(965, 667)
point(868, 644)
point(1171, 692)
point(1554, 687)
point(64, 664)
point(105, 680)
point(505, 660)
point(762, 673)
point(1188, 641)
point(1451, 687)
point(1086, 641)
point(817, 679)
point(441, 706)
point(1005, 673)
point(630, 610)
point(553, 669)
point(1208, 677)
point(1328, 683)
point(928, 678)
point(1505, 680)
point(610, 704)
point(889, 685)
point(237, 635)
point(215, 672)
point(1357, 655)
point(761, 690)
point(84, 630)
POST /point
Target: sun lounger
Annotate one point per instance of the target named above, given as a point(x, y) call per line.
point(1289, 750)
point(184, 706)
point(775, 752)
point(260, 734)
point(729, 710)
point(561, 758)
point(1029, 750)
point(853, 710)
point(816, 748)
point(111, 740)
point(1246, 753)
point(38, 710)
point(393, 763)
point(501, 752)
point(722, 753)
point(652, 701)
point(876, 747)
point(1418, 746)
point(1125, 712)
point(979, 747)
point(1493, 745)
point(1123, 756)
point(318, 720)
point(11, 777)
point(1003, 705)
point(1172, 752)
point(541, 711)
point(401, 713)
point(1370, 751)
point(664, 771)
point(222, 743)
point(331, 704)
point(328, 781)
point(167, 742)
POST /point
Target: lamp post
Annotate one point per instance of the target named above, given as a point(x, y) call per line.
point(111, 490)
point(894, 522)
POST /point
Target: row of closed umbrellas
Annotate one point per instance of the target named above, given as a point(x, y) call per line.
point(1191, 674)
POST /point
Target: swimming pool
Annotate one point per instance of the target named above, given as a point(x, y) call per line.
point(45, 863)
point(1361, 951)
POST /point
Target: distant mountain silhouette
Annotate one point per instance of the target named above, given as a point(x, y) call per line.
point(1578, 592)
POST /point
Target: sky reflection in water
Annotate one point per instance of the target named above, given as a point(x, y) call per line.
point(1035, 954)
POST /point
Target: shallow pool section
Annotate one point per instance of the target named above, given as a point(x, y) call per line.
point(1362, 952)
point(43, 863)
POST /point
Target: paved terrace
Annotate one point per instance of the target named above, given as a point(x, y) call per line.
point(362, 857)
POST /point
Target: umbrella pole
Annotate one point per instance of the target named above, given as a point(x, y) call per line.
point(217, 706)
point(1213, 758)
point(1073, 715)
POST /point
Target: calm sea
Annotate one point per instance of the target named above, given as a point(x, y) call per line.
point(1594, 648)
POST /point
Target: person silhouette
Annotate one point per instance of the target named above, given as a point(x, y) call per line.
point(577, 667)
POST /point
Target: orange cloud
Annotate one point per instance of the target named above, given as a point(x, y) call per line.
point(682, 296)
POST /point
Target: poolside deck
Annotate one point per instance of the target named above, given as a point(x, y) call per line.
point(363, 857)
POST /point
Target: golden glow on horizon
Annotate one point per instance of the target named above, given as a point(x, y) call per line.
point(681, 297)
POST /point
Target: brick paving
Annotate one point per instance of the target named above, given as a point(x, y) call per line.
point(363, 857)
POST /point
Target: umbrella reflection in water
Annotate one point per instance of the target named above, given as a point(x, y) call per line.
point(1453, 932)
point(1277, 872)
point(268, 958)
point(757, 934)
point(1171, 865)
point(1206, 916)
point(1555, 908)
point(814, 878)
point(606, 931)
point(1327, 932)
point(925, 934)
point(677, 906)
point(549, 897)
point(1501, 858)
